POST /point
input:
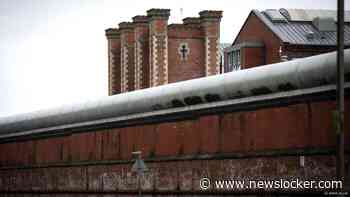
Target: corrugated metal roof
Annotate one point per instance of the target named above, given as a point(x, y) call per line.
point(300, 24)
point(310, 14)
point(275, 16)
point(296, 33)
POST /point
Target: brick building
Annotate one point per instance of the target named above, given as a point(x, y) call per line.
point(148, 52)
point(250, 133)
point(242, 124)
point(273, 36)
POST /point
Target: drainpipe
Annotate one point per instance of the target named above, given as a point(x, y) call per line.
point(340, 166)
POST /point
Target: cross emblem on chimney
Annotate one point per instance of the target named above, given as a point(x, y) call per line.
point(183, 51)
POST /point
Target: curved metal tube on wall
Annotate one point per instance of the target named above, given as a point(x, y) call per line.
point(298, 74)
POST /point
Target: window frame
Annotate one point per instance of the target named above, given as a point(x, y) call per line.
point(235, 60)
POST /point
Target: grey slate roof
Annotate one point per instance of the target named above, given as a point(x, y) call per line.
point(293, 26)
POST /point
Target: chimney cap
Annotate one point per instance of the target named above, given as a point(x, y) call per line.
point(210, 14)
point(154, 12)
point(140, 19)
point(112, 32)
point(125, 25)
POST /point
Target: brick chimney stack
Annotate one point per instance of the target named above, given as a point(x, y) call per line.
point(158, 37)
point(113, 38)
point(210, 21)
point(127, 40)
point(142, 68)
point(192, 21)
point(148, 52)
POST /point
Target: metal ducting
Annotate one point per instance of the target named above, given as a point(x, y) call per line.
point(298, 74)
point(325, 24)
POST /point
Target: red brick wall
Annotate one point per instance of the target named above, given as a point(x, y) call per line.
point(142, 34)
point(114, 66)
point(158, 51)
point(130, 40)
point(177, 176)
point(255, 30)
point(180, 31)
point(305, 125)
point(295, 51)
point(194, 66)
point(252, 57)
point(212, 36)
point(127, 38)
point(295, 126)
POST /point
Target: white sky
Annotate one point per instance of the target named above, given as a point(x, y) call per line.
point(54, 52)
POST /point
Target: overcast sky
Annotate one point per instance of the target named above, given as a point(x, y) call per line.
point(54, 52)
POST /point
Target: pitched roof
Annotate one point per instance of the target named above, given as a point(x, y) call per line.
point(293, 26)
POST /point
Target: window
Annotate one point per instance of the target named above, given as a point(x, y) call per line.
point(235, 60)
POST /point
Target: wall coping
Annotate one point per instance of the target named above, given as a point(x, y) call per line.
point(182, 113)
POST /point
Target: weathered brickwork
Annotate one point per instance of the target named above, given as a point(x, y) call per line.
point(160, 53)
point(255, 30)
point(158, 37)
point(141, 51)
point(127, 57)
point(295, 126)
point(181, 176)
point(114, 69)
point(267, 142)
point(192, 37)
point(252, 56)
point(211, 24)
